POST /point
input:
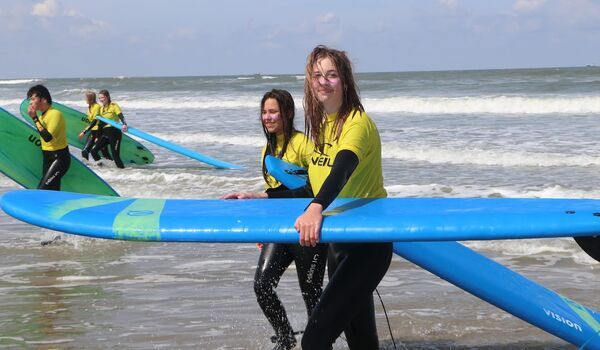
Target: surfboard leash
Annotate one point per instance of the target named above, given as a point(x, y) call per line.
point(388, 322)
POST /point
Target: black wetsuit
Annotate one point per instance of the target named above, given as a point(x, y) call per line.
point(55, 166)
point(273, 261)
point(354, 269)
point(89, 144)
point(108, 136)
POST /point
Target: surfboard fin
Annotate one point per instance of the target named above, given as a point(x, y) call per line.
point(590, 245)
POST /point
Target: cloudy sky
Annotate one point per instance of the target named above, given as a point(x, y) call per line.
point(79, 38)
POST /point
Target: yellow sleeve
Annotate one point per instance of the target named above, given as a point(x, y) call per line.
point(117, 109)
point(356, 135)
point(304, 148)
point(93, 112)
point(54, 123)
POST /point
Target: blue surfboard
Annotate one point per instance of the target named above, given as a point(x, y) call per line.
point(506, 289)
point(171, 146)
point(256, 221)
point(246, 221)
point(291, 175)
point(486, 279)
point(346, 220)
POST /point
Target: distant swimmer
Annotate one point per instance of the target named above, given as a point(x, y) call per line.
point(284, 142)
point(108, 135)
point(92, 112)
point(53, 131)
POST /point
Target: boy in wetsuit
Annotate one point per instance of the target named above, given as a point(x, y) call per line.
point(53, 131)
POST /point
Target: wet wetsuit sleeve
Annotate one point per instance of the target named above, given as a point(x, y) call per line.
point(344, 164)
point(122, 118)
point(302, 192)
point(44, 133)
point(277, 189)
point(94, 122)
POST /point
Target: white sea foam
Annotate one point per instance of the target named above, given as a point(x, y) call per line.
point(505, 105)
point(211, 138)
point(248, 102)
point(484, 104)
point(511, 105)
point(18, 81)
point(500, 157)
point(450, 190)
point(171, 183)
point(9, 102)
point(550, 250)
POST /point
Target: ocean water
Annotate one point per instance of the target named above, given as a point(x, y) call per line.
point(494, 133)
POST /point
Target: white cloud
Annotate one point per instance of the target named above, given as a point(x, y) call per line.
point(448, 3)
point(329, 27)
point(326, 18)
point(528, 5)
point(183, 33)
point(48, 8)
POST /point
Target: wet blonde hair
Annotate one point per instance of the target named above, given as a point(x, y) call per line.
point(313, 109)
point(90, 97)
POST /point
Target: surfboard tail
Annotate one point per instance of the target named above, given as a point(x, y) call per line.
point(506, 289)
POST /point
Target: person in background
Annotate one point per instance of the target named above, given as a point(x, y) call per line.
point(108, 135)
point(53, 131)
point(286, 143)
point(92, 112)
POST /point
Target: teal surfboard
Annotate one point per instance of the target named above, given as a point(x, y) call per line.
point(173, 147)
point(346, 220)
point(21, 160)
point(132, 151)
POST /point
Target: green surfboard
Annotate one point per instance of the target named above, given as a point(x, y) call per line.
point(21, 160)
point(132, 152)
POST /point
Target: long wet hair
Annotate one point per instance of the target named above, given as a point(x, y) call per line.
point(105, 93)
point(313, 109)
point(287, 111)
point(90, 97)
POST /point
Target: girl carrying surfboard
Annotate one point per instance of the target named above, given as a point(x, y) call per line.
point(346, 163)
point(285, 142)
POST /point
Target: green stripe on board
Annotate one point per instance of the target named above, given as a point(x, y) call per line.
point(57, 211)
point(583, 313)
point(140, 220)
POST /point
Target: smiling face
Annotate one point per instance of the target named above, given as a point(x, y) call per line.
point(327, 84)
point(271, 116)
point(103, 99)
